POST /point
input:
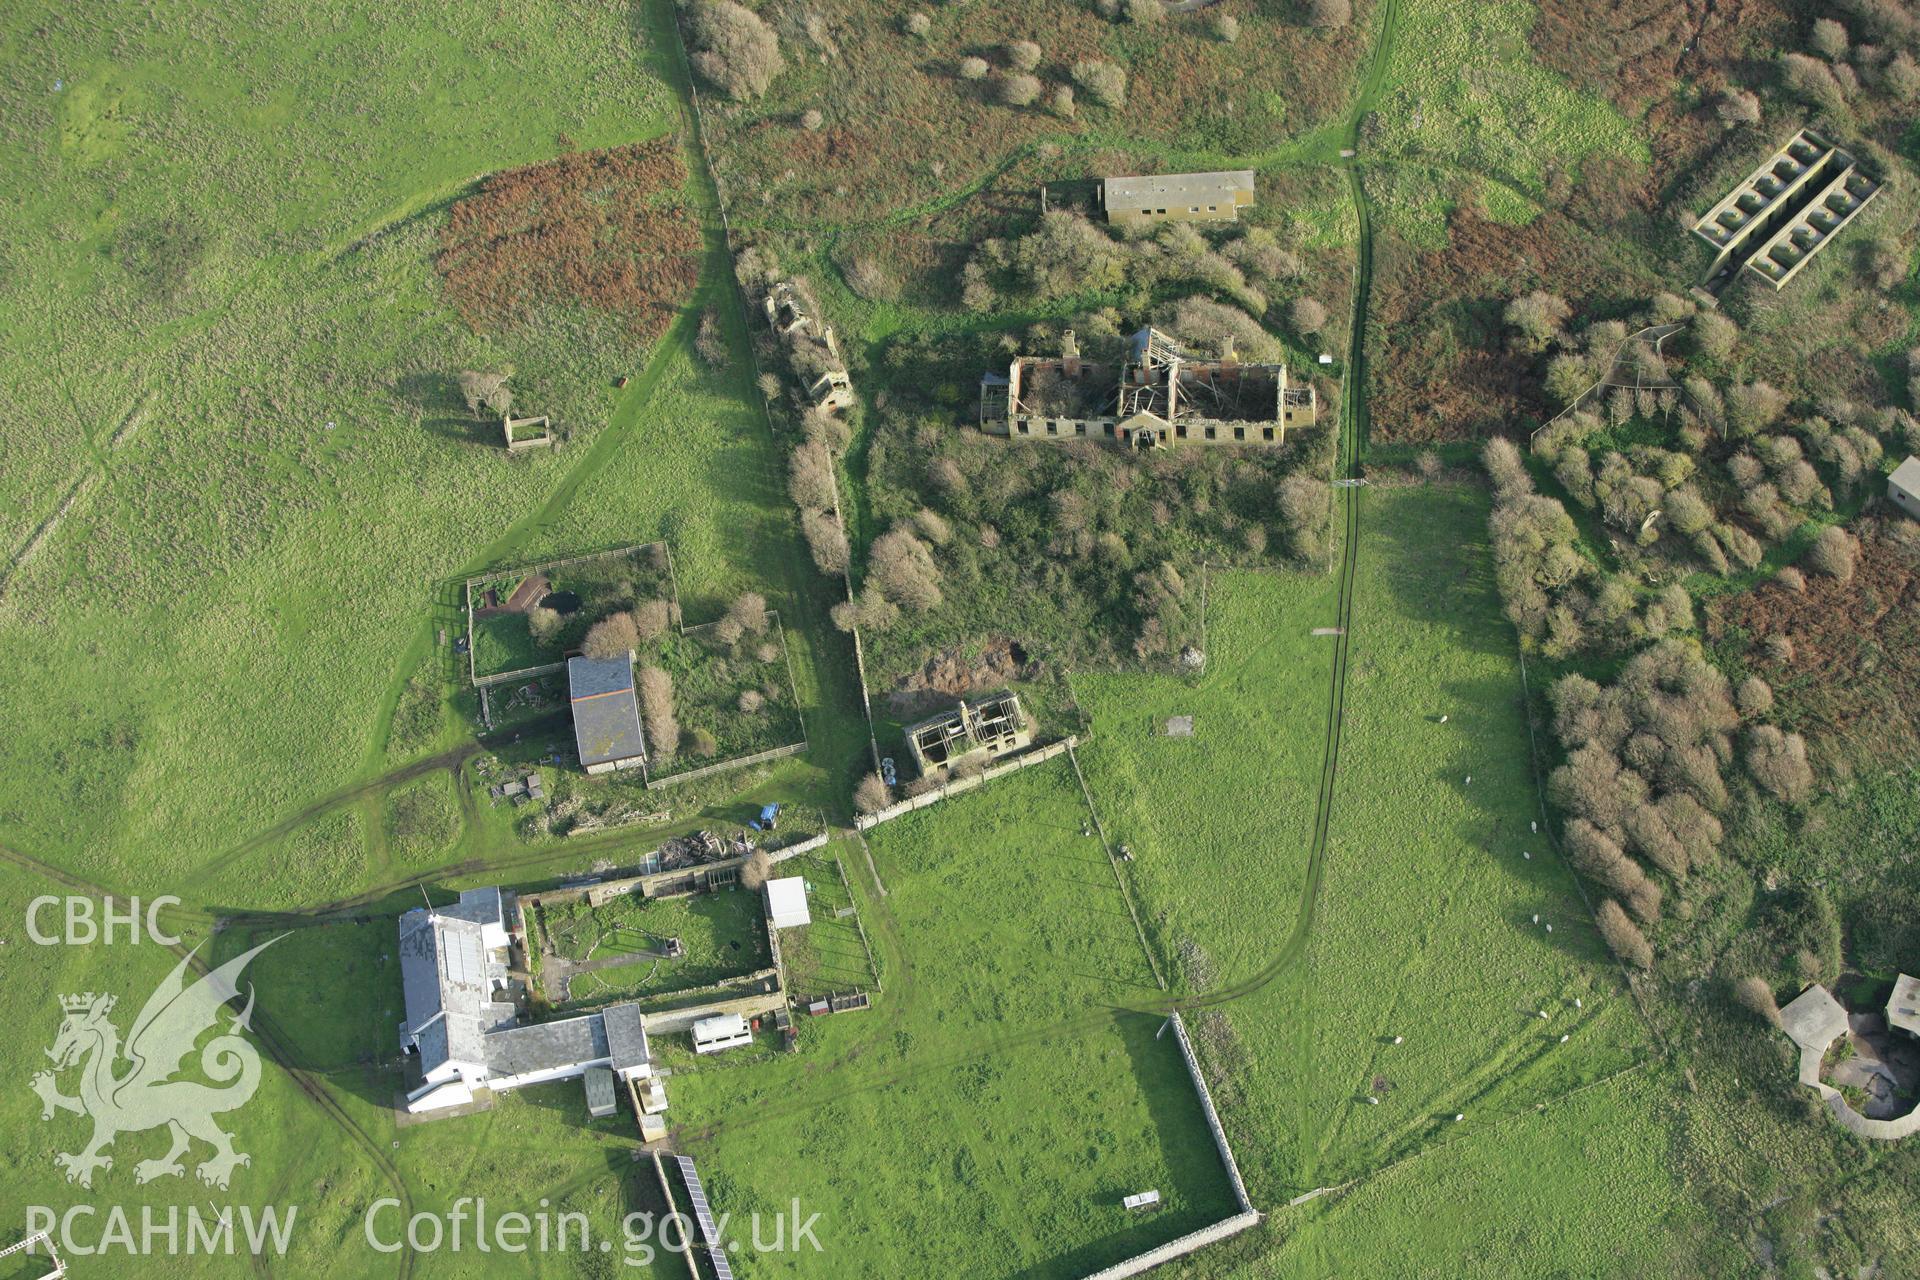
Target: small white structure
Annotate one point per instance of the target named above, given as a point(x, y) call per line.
point(1142, 1200)
point(722, 1031)
point(787, 903)
point(1903, 486)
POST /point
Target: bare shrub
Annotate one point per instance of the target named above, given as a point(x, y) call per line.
point(1828, 39)
point(655, 688)
point(810, 478)
point(756, 871)
point(812, 120)
point(1061, 103)
point(1144, 12)
point(1623, 936)
point(1643, 902)
point(917, 24)
point(487, 391)
point(543, 624)
point(826, 541)
point(974, 68)
point(1778, 762)
point(1329, 13)
point(1226, 28)
point(1306, 315)
point(1754, 697)
point(1738, 106)
point(749, 612)
point(702, 743)
point(751, 701)
point(1754, 995)
point(1019, 90)
point(1833, 553)
point(1538, 317)
point(1506, 469)
point(1597, 857)
point(869, 611)
point(711, 343)
point(1103, 82)
point(613, 636)
point(650, 619)
point(735, 51)
point(871, 796)
point(1023, 55)
point(902, 566)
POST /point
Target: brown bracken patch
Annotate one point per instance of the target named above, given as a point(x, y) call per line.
point(610, 230)
point(1856, 644)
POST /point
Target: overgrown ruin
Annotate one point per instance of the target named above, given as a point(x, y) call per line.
point(1161, 395)
point(1785, 211)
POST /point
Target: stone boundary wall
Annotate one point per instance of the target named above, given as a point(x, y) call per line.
point(1213, 1117)
point(959, 786)
point(721, 766)
point(1205, 1236)
point(1142, 1262)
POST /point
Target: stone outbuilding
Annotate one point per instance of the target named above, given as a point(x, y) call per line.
point(1903, 486)
point(1177, 197)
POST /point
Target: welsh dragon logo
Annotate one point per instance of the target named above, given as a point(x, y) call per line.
point(145, 1095)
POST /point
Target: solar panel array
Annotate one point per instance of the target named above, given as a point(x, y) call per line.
point(703, 1214)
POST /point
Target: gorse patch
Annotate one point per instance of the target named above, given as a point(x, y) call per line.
point(609, 230)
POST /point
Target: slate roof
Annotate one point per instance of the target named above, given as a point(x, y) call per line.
point(446, 979)
point(626, 1037)
point(606, 718)
point(543, 1046)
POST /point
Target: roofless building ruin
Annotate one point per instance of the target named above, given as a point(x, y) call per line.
point(1160, 395)
point(1785, 211)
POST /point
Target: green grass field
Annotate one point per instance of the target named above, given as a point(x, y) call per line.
point(1006, 947)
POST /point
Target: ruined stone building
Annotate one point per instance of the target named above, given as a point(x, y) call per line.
point(815, 357)
point(1785, 211)
point(982, 729)
point(1177, 197)
point(1160, 395)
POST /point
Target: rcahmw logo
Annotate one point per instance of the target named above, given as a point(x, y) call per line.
point(146, 1095)
point(85, 1229)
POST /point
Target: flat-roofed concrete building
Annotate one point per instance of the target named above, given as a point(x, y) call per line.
point(1903, 1006)
point(1903, 486)
point(1785, 211)
point(1177, 197)
point(1160, 395)
point(606, 717)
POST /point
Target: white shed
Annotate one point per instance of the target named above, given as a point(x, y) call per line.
point(787, 903)
point(1903, 486)
point(722, 1031)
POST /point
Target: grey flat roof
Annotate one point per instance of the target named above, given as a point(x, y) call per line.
point(1907, 475)
point(1814, 1018)
point(1175, 189)
point(1903, 1006)
point(606, 719)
